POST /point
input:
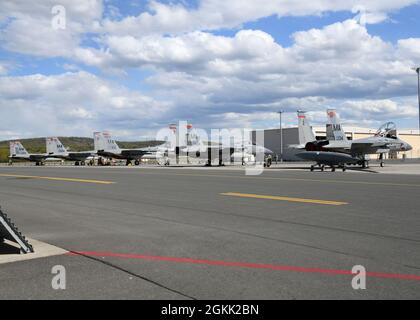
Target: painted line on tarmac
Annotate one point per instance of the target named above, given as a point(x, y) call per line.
point(288, 199)
point(56, 179)
point(243, 265)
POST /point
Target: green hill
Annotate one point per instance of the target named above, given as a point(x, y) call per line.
point(37, 145)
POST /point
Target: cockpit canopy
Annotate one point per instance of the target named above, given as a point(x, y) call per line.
point(388, 130)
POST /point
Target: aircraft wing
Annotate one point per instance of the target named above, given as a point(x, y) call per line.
point(134, 153)
point(38, 157)
point(326, 157)
point(81, 155)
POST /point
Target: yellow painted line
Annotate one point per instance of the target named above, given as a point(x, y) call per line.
point(289, 199)
point(56, 179)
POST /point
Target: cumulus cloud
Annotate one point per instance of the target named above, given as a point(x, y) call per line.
point(410, 48)
point(28, 26)
point(73, 103)
point(378, 110)
point(339, 61)
point(216, 14)
point(195, 74)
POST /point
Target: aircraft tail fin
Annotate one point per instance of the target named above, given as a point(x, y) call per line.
point(17, 149)
point(306, 134)
point(54, 146)
point(98, 141)
point(105, 142)
point(335, 131)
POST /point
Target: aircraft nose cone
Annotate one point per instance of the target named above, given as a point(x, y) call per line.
point(408, 147)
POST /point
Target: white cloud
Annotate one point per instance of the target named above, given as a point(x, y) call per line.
point(28, 27)
point(410, 48)
point(209, 79)
point(217, 14)
point(28, 24)
point(73, 103)
point(337, 61)
point(378, 110)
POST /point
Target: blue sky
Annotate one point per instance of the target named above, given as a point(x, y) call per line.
point(134, 66)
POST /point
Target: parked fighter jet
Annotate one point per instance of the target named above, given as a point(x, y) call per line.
point(106, 147)
point(56, 149)
point(338, 151)
point(18, 152)
point(246, 152)
point(227, 153)
point(193, 147)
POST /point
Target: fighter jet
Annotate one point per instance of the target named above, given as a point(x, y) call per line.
point(56, 149)
point(208, 151)
point(106, 147)
point(18, 152)
point(193, 147)
point(224, 152)
point(246, 152)
point(338, 151)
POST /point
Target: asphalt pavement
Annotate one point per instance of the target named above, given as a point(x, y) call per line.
point(180, 233)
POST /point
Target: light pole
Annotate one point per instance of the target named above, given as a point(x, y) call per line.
point(418, 92)
point(281, 135)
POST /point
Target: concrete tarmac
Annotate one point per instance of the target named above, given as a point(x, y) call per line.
point(165, 233)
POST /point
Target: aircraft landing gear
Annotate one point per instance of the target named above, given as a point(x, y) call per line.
point(381, 157)
point(82, 163)
point(128, 163)
point(365, 164)
point(137, 162)
point(344, 169)
point(332, 169)
point(320, 166)
point(77, 163)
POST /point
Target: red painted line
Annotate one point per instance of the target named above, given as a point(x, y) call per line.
point(243, 265)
